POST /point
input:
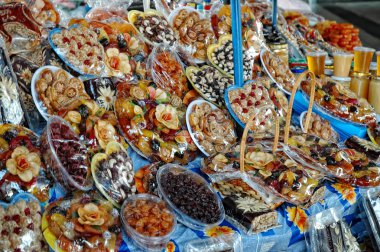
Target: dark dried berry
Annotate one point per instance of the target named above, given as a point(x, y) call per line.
point(236, 164)
point(114, 229)
point(57, 209)
point(330, 160)
point(327, 98)
point(155, 145)
point(353, 109)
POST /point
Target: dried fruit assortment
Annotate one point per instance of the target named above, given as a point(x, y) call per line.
point(79, 47)
point(194, 32)
point(341, 102)
point(320, 127)
point(211, 127)
point(82, 222)
point(152, 122)
point(145, 178)
point(113, 173)
point(209, 83)
point(153, 26)
point(20, 230)
point(371, 150)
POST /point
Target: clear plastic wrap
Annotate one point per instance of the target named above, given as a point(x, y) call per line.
point(227, 242)
point(319, 127)
point(211, 128)
point(209, 83)
point(374, 134)
point(371, 150)
point(65, 155)
point(22, 168)
point(153, 122)
point(103, 91)
point(145, 178)
point(192, 199)
point(53, 89)
point(20, 225)
point(79, 48)
point(334, 98)
point(371, 205)
point(221, 56)
point(167, 71)
point(150, 233)
point(329, 232)
point(82, 222)
point(11, 107)
point(277, 70)
point(166, 6)
point(153, 27)
point(113, 173)
point(19, 29)
point(194, 32)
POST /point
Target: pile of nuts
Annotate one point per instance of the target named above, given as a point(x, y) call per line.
point(321, 128)
point(156, 29)
point(211, 83)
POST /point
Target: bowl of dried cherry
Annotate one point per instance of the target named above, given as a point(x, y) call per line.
point(148, 221)
point(192, 199)
point(65, 155)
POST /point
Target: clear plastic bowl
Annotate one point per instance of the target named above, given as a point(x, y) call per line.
point(55, 165)
point(181, 216)
point(147, 243)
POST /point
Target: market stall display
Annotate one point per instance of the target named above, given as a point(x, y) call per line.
point(129, 148)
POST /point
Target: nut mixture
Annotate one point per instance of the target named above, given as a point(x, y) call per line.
point(278, 70)
point(149, 218)
point(223, 57)
point(245, 101)
point(213, 129)
point(321, 128)
point(191, 197)
point(81, 48)
point(194, 32)
point(115, 174)
point(57, 90)
point(156, 29)
point(20, 227)
point(210, 82)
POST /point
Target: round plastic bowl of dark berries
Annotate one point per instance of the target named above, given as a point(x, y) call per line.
point(65, 156)
point(192, 199)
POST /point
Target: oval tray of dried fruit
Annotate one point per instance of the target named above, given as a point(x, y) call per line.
point(113, 173)
point(211, 128)
point(209, 83)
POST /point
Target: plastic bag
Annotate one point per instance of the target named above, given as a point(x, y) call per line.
point(22, 168)
point(335, 99)
point(371, 205)
point(225, 242)
point(166, 6)
point(65, 155)
point(329, 232)
point(11, 107)
point(153, 27)
point(194, 32)
point(21, 221)
point(19, 29)
point(371, 150)
point(82, 222)
point(209, 83)
point(211, 128)
point(145, 178)
point(152, 121)
point(79, 48)
point(167, 71)
point(113, 173)
point(319, 127)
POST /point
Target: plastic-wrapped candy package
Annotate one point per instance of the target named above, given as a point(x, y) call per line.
point(79, 48)
point(103, 91)
point(153, 27)
point(11, 107)
point(22, 35)
point(371, 205)
point(209, 82)
point(108, 13)
point(20, 225)
point(65, 155)
point(21, 165)
point(125, 51)
point(221, 56)
point(211, 128)
point(194, 32)
point(82, 222)
point(167, 6)
point(319, 127)
point(329, 232)
point(341, 102)
point(228, 242)
point(371, 150)
point(167, 71)
point(153, 122)
point(113, 173)
point(145, 178)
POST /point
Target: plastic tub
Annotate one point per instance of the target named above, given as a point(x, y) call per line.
point(147, 243)
point(55, 165)
point(181, 216)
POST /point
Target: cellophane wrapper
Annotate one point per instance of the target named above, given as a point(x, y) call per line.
point(224, 242)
